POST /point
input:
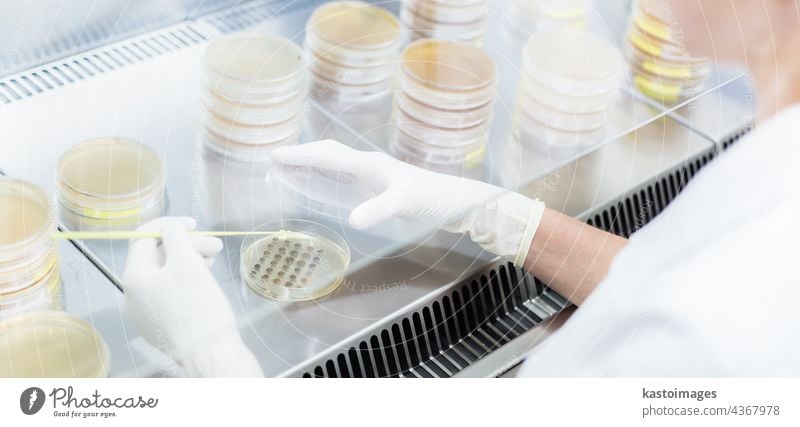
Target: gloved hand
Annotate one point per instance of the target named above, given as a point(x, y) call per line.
point(501, 221)
point(179, 307)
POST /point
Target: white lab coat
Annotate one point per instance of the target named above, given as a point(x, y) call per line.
point(711, 287)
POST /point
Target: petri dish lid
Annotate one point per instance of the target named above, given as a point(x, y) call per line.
point(351, 75)
point(448, 65)
point(253, 134)
point(529, 131)
point(440, 117)
point(434, 134)
point(572, 56)
point(253, 57)
point(253, 114)
point(354, 24)
point(575, 122)
point(409, 148)
point(110, 171)
point(27, 216)
point(51, 344)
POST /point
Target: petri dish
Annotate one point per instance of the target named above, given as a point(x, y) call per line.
point(355, 25)
point(529, 131)
point(244, 152)
point(565, 102)
point(456, 13)
point(253, 114)
point(40, 296)
point(252, 61)
point(352, 75)
point(28, 254)
point(575, 122)
point(253, 134)
point(438, 117)
point(452, 137)
point(448, 66)
point(350, 91)
point(418, 152)
point(115, 183)
point(51, 344)
point(573, 62)
point(294, 260)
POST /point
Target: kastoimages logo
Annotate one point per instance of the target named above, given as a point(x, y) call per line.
point(31, 400)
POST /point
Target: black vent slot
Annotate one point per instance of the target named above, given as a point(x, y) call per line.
point(453, 332)
point(640, 207)
point(735, 137)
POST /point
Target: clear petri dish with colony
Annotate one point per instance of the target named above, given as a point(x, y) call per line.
point(42, 295)
point(570, 121)
point(253, 134)
point(448, 137)
point(294, 260)
point(28, 254)
point(423, 153)
point(51, 344)
point(110, 183)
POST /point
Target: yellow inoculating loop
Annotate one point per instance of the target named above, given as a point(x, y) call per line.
point(125, 235)
point(657, 90)
point(644, 45)
point(669, 72)
point(653, 27)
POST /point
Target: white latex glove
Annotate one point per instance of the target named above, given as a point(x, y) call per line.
point(501, 221)
point(179, 307)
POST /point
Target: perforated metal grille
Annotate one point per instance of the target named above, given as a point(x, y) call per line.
point(89, 64)
point(451, 333)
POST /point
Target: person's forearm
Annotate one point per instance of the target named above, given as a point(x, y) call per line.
point(570, 256)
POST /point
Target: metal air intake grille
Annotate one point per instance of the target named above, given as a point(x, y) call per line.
point(102, 60)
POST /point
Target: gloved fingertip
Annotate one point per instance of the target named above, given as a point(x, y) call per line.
point(188, 222)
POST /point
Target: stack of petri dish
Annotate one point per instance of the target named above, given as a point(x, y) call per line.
point(444, 104)
point(352, 49)
point(465, 20)
point(52, 344)
point(570, 80)
point(29, 272)
point(110, 184)
point(539, 15)
point(661, 67)
point(255, 93)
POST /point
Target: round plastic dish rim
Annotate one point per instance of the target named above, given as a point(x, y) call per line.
point(67, 324)
point(421, 28)
point(232, 150)
point(353, 75)
point(39, 239)
point(420, 152)
point(263, 83)
point(529, 131)
point(252, 94)
point(567, 103)
point(27, 272)
point(442, 118)
point(351, 91)
point(253, 114)
point(573, 122)
point(349, 57)
point(448, 14)
point(481, 59)
point(425, 132)
point(392, 44)
point(307, 228)
point(36, 296)
point(118, 202)
point(253, 134)
point(693, 67)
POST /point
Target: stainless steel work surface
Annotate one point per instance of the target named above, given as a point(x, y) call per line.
point(157, 100)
